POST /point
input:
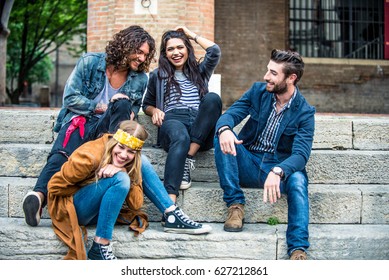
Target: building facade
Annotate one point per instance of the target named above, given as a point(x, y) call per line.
point(342, 42)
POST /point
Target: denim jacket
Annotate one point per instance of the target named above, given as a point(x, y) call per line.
point(294, 139)
point(87, 80)
point(156, 87)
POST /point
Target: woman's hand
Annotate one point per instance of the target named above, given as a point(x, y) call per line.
point(203, 42)
point(157, 117)
point(191, 35)
point(108, 171)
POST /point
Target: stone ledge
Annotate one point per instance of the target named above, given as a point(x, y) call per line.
point(260, 242)
point(324, 166)
point(336, 204)
point(352, 131)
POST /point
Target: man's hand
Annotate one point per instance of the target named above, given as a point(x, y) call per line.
point(271, 189)
point(101, 108)
point(227, 141)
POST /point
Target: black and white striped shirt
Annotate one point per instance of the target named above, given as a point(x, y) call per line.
point(189, 94)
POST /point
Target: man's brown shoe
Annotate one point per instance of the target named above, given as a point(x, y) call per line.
point(298, 255)
point(235, 218)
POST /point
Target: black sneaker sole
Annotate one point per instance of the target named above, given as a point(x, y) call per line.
point(31, 209)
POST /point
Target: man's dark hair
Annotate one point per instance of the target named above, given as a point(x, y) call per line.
point(293, 62)
point(127, 42)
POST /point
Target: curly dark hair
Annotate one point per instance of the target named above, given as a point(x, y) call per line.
point(191, 66)
point(127, 42)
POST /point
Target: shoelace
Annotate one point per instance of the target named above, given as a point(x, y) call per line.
point(107, 252)
point(185, 218)
point(189, 165)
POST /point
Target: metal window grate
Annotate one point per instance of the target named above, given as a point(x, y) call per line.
point(337, 28)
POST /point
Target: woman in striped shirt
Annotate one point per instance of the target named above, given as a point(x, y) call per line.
point(178, 101)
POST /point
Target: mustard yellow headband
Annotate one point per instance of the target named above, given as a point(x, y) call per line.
point(128, 140)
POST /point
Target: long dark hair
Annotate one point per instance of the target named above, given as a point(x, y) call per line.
point(191, 67)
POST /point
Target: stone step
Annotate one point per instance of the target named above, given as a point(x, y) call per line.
point(256, 242)
point(335, 204)
point(333, 131)
point(324, 166)
point(349, 195)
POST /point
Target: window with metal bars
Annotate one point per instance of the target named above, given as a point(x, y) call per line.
point(337, 28)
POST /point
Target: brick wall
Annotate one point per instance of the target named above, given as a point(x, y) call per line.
point(247, 31)
point(347, 85)
point(106, 17)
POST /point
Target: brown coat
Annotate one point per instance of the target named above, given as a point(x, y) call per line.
point(77, 172)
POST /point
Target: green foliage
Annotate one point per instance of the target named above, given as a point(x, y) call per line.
point(273, 221)
point(38, 28)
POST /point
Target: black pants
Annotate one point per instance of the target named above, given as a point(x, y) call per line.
point(180, 128)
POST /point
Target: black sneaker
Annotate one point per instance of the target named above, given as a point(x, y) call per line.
point(177, 222)
point(186, 180)
point(101, 252)
point(32, 208)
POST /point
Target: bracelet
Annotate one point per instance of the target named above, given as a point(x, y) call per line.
point(222, 130)
point(196, 37)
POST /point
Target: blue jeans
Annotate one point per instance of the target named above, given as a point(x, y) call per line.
point(250, 170)
point(180, 128)
point(100, 203)
point(117, 111)
point(153, 187)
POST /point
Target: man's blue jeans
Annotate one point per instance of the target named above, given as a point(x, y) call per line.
point(100, 202)
point(250, 170)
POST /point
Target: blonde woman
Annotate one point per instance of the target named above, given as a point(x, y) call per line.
point(92, 186)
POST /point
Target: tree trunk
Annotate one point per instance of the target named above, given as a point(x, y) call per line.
point(15, 98)
point(5, 10)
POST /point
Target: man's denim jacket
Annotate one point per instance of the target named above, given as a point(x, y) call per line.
point(294, 139)
point(87, 80)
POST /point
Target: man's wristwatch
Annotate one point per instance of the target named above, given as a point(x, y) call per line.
point(278, 171)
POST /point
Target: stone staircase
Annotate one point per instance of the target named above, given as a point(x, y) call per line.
point(349, 197)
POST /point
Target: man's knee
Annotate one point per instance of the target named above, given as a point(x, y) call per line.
point(297, 182)
point(121, 105)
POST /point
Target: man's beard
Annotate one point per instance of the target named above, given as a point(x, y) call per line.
point(280, 88)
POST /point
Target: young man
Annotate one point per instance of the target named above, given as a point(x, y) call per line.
point(103, 90)
point(276, 139)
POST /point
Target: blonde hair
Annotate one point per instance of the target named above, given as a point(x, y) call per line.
point(134, 167)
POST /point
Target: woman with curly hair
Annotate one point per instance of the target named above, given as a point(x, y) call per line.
point(102, 90)
point(178, 101)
